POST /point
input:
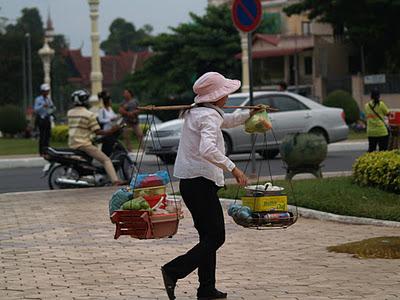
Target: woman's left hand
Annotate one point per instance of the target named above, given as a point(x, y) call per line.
point(258, 109)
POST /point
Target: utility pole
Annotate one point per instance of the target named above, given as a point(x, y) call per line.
point(25, 100)
point(29, 61)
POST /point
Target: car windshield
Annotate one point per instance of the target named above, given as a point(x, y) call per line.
point(233, 101)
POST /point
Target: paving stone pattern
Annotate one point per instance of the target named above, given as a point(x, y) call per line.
point(59, 245)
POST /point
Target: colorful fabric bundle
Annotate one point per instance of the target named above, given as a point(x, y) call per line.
point(119, 198)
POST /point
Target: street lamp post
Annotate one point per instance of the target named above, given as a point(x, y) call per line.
point(46, 54)
point(29, 62)
point(96, 76)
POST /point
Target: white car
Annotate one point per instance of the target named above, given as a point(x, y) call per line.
point(295, 114)
point(150, 119)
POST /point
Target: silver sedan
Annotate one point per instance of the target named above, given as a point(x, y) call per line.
point(294, 114)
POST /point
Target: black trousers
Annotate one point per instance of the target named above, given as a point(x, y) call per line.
point(381, 141)
point(107, 146)
point(44, 134)
point(200, 197)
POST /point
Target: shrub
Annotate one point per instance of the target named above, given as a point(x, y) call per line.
point(12, 119)
point(59, 133)
point(380, 169)
point(344, 100)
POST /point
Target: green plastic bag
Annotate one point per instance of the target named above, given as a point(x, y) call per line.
point(138, 203)
point(258, 123)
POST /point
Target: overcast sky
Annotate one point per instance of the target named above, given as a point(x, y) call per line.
point(71, 17)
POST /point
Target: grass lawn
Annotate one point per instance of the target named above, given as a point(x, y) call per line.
point(353, 135)
point(22, 146)
point(337, 195)
point(29, 146)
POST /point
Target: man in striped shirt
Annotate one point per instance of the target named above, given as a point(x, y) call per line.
point(82, 125)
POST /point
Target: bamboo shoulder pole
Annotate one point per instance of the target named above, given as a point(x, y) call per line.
point(180, 107)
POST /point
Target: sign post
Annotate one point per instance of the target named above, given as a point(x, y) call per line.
point(247, 16)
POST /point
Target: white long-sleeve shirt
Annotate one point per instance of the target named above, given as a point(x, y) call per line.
point(201, 151)
point(106, 116)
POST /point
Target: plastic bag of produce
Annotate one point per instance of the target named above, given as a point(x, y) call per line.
point(150, 180)
point(258, 123)
point(136, 204)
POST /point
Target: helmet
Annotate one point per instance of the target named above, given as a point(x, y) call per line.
point(80, 98)
point(375, 94)
point(45, 87)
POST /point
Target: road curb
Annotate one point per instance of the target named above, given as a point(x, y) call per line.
point(351, 146)
point(32, 162)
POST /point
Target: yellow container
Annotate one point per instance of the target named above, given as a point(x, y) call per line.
point(266, 203)
point(150, 191)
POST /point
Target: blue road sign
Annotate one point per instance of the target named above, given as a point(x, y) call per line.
point(246, 14)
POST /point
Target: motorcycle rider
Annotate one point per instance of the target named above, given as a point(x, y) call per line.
point(82, 124)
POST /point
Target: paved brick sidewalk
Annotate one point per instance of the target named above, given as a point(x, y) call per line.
point(59, 245)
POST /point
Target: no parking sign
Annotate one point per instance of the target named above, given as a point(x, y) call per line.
point(247, 14)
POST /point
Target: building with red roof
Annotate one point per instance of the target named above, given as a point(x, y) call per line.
point(114, 67)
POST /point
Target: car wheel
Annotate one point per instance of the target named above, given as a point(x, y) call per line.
point(228, 145)
point(269, 154)
point(320, 132)
point(168, 158)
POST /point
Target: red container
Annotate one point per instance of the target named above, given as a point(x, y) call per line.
point(394, 117)
point(153, 200)
point(164, 225)
point(141, 225)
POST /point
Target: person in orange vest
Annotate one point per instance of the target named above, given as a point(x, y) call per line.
point(377, 130)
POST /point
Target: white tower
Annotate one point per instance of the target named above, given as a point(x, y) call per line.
point(46, 53)
point(96, 76)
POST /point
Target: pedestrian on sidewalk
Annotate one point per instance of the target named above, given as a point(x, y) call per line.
point(107, 116)
point(129, 111)
point(377, 130)
point(200, 166)
point(44, 108)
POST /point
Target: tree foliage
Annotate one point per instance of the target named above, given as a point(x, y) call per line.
point(61, 89)
point(12, 44)
point(206, 43)
point(372, 24)
point(124, 36)
point(343, 99)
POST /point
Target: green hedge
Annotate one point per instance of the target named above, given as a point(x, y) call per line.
point(342, 99)
point(12, 119)
point(59, 133)
point(380, 169)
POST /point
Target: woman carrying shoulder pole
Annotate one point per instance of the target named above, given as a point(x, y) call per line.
point(200, 166)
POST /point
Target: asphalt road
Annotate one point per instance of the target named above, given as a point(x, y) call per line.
point(29, 179)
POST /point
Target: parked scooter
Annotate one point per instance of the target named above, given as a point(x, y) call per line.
point(70, 168)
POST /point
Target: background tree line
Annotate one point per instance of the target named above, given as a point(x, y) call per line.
point(205, 43)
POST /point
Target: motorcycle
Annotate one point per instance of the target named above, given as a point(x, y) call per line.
point(71, 168)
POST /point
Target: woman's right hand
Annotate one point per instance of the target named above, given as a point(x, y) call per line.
point(240, 177)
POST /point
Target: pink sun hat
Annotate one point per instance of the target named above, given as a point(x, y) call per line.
point(212, 86)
